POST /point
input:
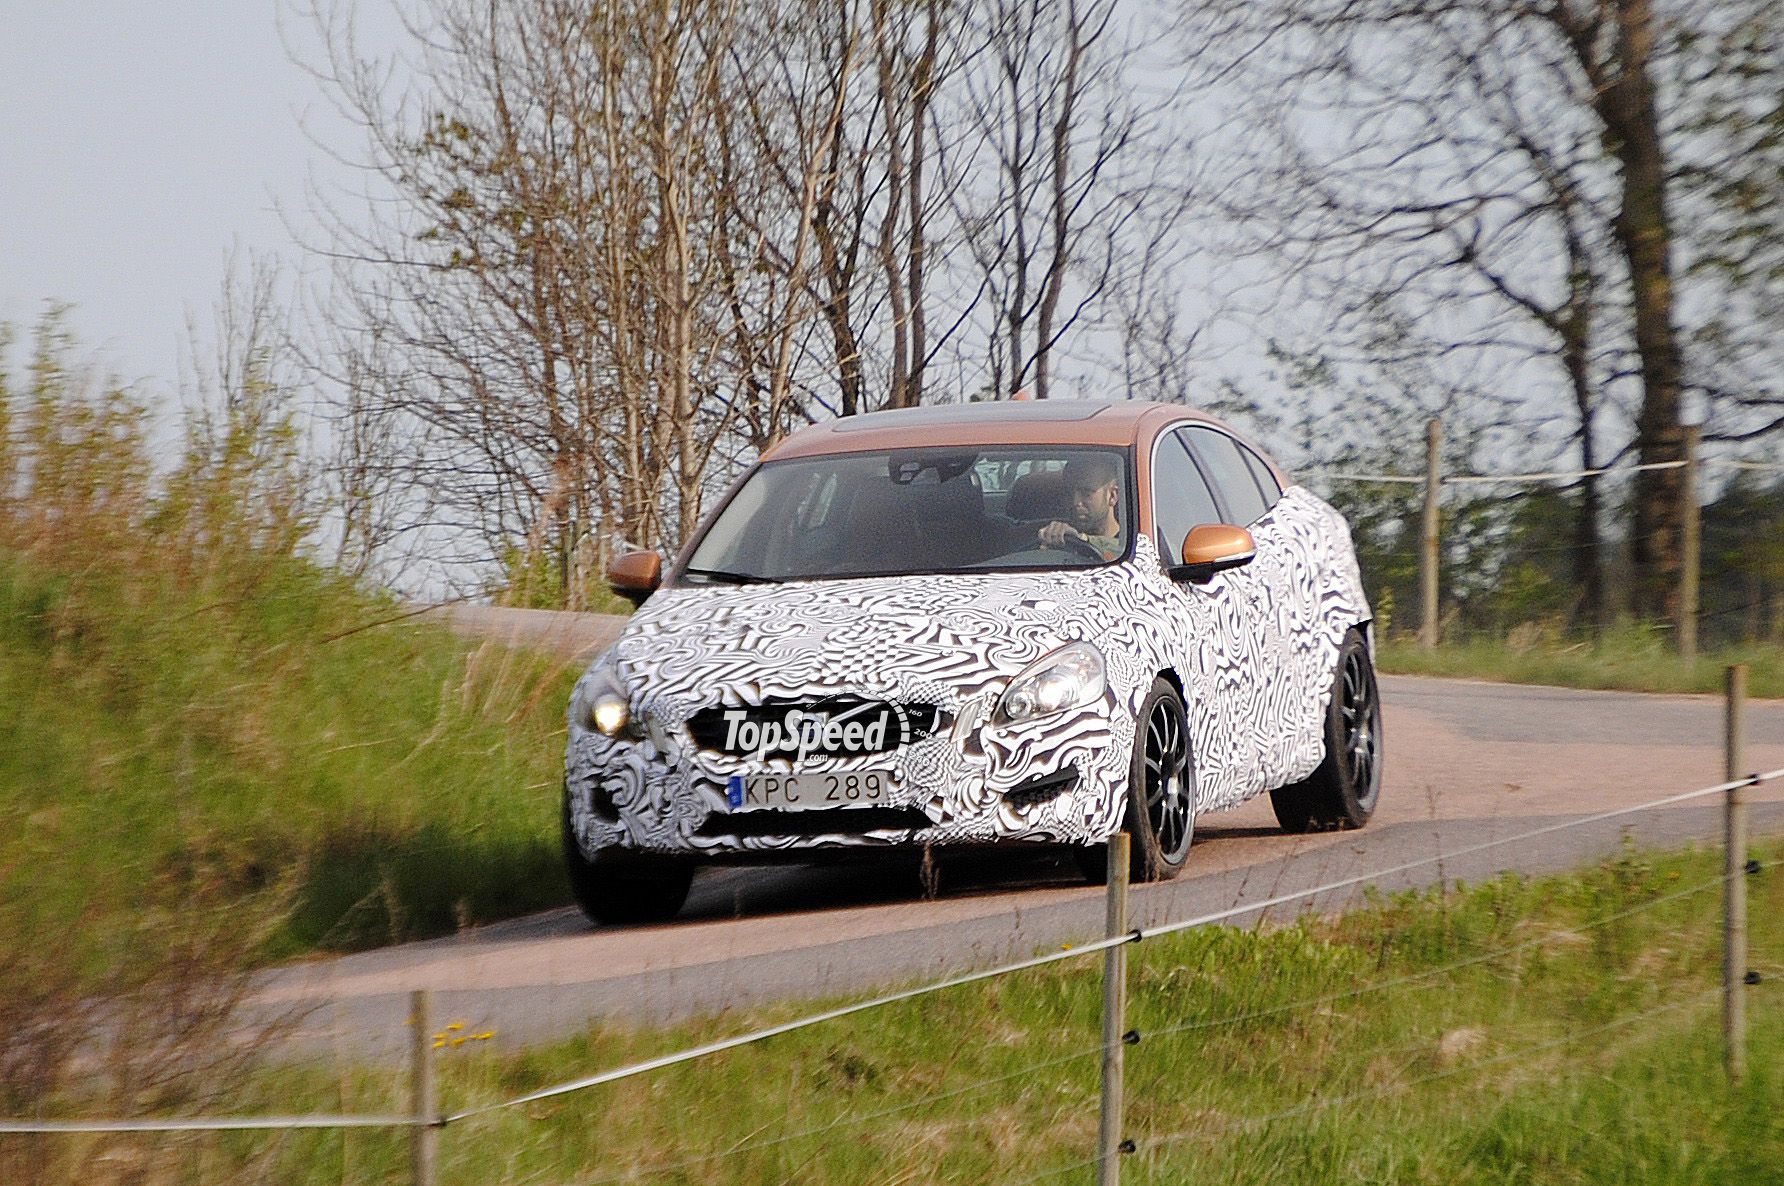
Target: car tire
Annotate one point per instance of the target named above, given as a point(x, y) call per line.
point(1160, 813)
point(1343, 789)
point(623, 888)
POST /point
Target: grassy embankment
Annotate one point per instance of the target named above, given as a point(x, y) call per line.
point(214, 752)
point(159, 743)
point(1479, 1037)
point(191, 721)
point(1630, 660)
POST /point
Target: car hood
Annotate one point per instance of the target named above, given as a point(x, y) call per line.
point(933, 637)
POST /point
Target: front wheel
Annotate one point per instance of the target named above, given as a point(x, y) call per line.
point(1161, 794)
point(622, 888)
point(1342, 791)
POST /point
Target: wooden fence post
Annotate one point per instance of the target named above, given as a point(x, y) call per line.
point(425, 1134)
point(1691, 545)
point(1734, 872)
point(1108, 1137)
point(1428, 536)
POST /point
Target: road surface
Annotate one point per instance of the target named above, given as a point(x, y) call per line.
point(1466, 762)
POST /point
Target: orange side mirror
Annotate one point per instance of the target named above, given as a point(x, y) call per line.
point(1212, 548)
point(636, 575)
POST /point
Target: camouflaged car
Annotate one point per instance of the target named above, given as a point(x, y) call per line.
point(996, 623)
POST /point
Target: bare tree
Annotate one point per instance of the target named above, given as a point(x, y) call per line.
point(1524, 149)
point(782, 160)
point(1613, 44)
point(452, 288)
point(1045, 102)
point(547, 295)
point(911, 66)
point(607, 253)
point(1728, 74)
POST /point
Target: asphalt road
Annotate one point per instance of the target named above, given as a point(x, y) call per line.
point(1466, 762)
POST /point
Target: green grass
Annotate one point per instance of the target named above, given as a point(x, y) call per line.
point(1629, 660)
point(1479, 1037)
point(162, 748)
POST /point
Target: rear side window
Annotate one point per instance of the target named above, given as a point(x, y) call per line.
point(1221, 460)
point(1180, 498)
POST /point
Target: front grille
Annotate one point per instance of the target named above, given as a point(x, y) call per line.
point(843, 821)
point(824, 727)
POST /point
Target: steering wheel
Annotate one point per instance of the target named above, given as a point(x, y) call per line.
point(1077, 543)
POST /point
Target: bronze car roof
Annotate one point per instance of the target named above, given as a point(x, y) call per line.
point(1000, 422)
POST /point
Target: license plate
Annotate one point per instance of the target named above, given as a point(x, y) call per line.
point(806, 792)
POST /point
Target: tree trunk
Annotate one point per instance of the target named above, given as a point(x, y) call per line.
point(1626, 104)
point(922, 89)
point(1061, 204)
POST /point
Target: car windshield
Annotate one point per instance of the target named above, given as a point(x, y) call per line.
point(921, 511)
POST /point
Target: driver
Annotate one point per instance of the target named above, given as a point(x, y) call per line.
point(1094, 483)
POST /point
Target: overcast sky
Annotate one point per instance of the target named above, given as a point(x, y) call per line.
point(140, 144)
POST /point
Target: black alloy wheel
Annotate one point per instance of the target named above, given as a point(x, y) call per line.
point(1169, 789)
point(1360, 711)
point(1342, 791)
point(1161, 810)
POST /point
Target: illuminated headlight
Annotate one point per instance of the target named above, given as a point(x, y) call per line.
point(1068, 678)
point(599, 703)
point(610, 713)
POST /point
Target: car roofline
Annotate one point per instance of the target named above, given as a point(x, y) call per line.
point(1007, 422)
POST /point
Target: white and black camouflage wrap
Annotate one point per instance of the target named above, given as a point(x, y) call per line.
point(1253, 650)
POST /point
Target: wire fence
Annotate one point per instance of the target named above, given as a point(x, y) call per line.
point(1300, 1006)
point(1464, 554)
point(1543, 475)
point(427, 1121)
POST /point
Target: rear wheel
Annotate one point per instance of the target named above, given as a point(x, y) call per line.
point(623, 888)
point(1341, 792)
point(1161, 810)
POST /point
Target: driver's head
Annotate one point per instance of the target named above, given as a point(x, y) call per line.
point(1094, 483)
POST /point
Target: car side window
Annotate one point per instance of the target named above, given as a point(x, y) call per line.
point(1219, 455)
point(1266, 480)
point(1180, 497)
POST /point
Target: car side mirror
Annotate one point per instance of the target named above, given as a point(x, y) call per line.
point(636, 575)
point(1212, 548)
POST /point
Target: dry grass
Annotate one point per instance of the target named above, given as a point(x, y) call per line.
point(199, 771)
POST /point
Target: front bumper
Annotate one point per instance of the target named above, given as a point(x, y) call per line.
point(1060, 779)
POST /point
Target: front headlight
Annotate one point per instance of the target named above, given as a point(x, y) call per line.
point(1068, 678)
point(599, 703)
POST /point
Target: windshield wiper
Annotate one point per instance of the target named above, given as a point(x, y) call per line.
point(725, 577)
